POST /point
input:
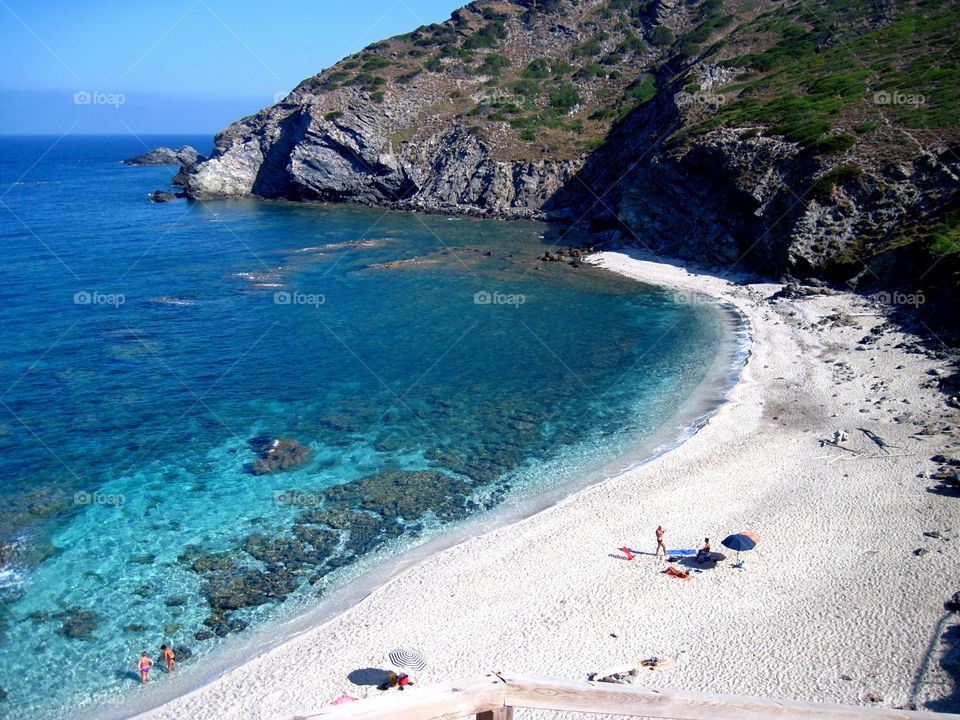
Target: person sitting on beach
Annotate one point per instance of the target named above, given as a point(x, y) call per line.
point(703, 554)
point(169, 658)
point(145, 664)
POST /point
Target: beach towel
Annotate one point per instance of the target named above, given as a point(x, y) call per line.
point(682, 553)
point(679, 574)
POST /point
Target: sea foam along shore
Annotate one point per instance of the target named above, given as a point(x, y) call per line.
point(834, 605)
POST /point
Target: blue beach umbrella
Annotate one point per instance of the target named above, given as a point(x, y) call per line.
point(739, 542)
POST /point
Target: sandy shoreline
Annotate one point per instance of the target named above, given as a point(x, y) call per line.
point(833, 606)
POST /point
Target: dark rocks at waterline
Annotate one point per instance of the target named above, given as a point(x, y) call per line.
point(183, 653)
point(221, 624)
point(184, 155)
point(218, 624)
point(365, 531)
point(278, 454)
point(164, 196)
point(203, 635)
point(77, 624)
point(323, 541)
point(571, 256)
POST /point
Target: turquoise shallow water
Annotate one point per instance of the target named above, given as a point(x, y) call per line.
point(436, 370)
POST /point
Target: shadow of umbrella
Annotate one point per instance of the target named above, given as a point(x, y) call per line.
point(369, 676)
point(692, 562)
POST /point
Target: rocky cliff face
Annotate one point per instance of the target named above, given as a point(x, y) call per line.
point(736, 198)
point(293, 151)
point(760, 134)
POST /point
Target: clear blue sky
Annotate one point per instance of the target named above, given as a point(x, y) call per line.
point(176, 65)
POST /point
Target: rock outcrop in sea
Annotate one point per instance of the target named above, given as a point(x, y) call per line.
point(184, 155)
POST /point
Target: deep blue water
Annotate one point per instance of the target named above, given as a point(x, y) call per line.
point(144, 345)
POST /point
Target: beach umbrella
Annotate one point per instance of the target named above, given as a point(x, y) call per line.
point(408, 658)
point(343, 699)
point(739, 542)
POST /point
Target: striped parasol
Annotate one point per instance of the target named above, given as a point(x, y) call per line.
point(408, 658)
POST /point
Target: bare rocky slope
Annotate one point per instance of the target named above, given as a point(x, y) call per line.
point(812, 139)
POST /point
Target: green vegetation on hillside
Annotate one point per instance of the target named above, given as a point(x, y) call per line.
point(824, 70)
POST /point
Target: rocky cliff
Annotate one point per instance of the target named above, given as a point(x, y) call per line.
point(812, 139)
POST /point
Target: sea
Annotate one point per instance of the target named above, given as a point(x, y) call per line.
point(222, 422)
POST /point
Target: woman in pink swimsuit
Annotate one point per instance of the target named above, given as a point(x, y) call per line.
point(145, 665)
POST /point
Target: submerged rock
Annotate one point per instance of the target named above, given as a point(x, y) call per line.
point(78, 624)
point(248, 587)
point(405, 494)
point(278, 454)
point(288, 552)
point(211, 563)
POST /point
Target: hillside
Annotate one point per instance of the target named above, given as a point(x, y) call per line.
point(817, 139)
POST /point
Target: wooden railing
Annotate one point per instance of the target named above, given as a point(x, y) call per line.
point(495, 695)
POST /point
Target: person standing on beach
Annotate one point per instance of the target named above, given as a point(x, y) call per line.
point(169, 658)
point(660, 544)
point(145, 665)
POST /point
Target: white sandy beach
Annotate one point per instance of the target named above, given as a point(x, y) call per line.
point(833, 605)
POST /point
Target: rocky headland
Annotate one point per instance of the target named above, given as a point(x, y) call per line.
point(815, 142)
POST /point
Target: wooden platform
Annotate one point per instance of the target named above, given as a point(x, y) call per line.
point(495, 695)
